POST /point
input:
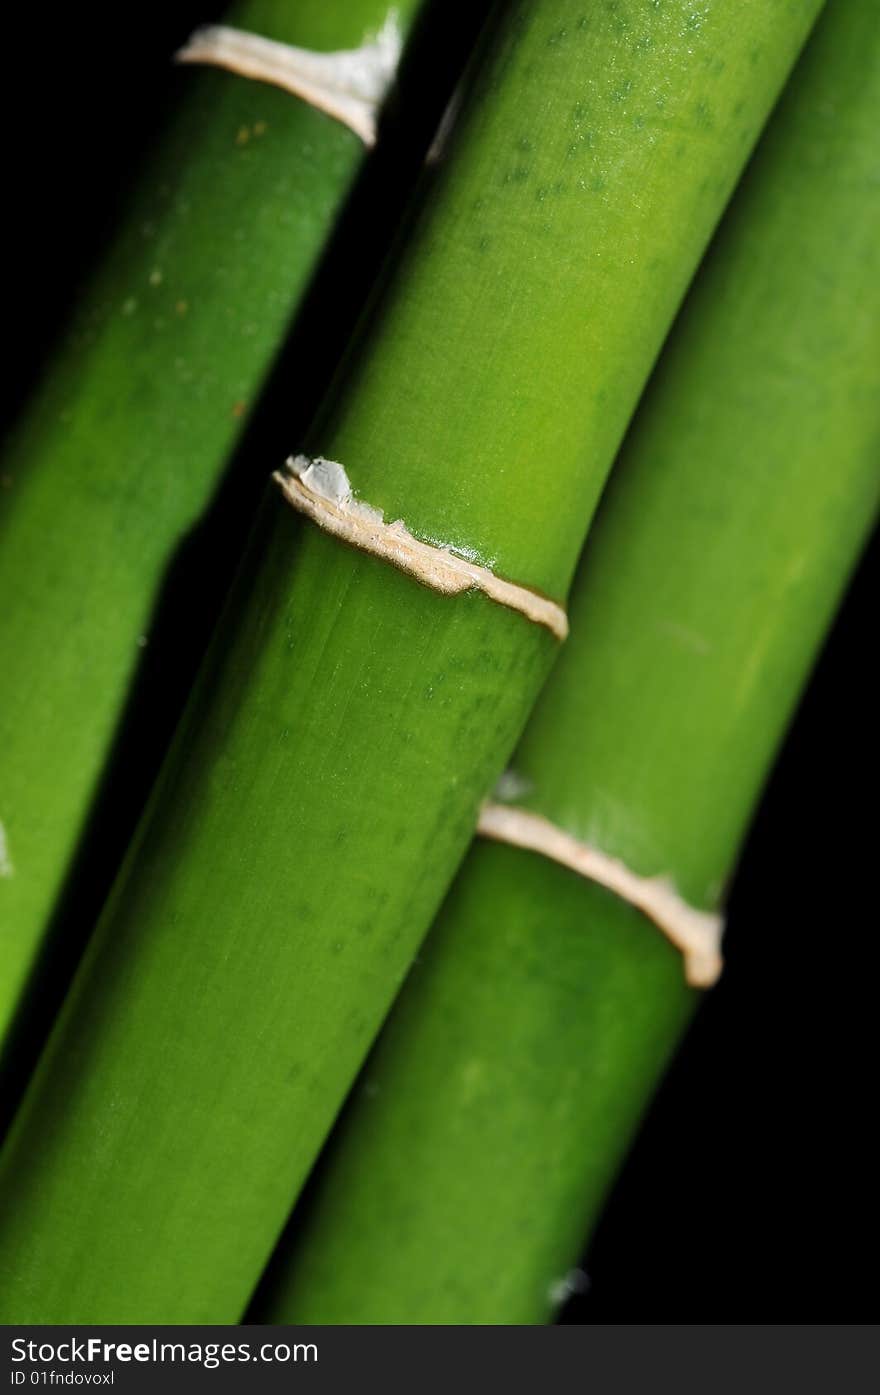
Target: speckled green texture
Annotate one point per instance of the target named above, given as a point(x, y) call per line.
point(599, 149)
point(326, 780)
point(123, 445)
point(478, 1145)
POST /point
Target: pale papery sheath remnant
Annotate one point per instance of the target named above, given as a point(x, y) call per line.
point(349, 84)
point(321, 490)
point(696, 933)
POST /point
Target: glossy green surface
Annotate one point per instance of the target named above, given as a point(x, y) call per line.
point(478, 1145)
point(326, 779)
point(123, 445)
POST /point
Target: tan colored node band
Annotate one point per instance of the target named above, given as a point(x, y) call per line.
point(349, 84)
point(320, 489)
point(697, 934)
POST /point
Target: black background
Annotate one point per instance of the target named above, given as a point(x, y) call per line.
point(750, 1195)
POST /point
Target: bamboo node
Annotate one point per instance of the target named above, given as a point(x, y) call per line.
point(697, 934)
point(348, 84)
point(321, 490)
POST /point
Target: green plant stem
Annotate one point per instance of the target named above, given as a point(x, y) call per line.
point(120, 451)
point(325, 781)
point(477, 1149)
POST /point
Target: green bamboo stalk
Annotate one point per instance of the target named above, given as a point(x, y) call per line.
point(122, 448)
point(480, 1143)
point(325, 781)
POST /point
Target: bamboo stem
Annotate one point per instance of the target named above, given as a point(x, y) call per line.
point(485, 1131)
point(120, 455)
point(325, 781)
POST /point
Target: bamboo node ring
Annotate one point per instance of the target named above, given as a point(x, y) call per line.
point(320, 489)
point(697, 934)
point(348, 84)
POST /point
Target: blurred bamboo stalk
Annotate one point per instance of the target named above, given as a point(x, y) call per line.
point(122, 449)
